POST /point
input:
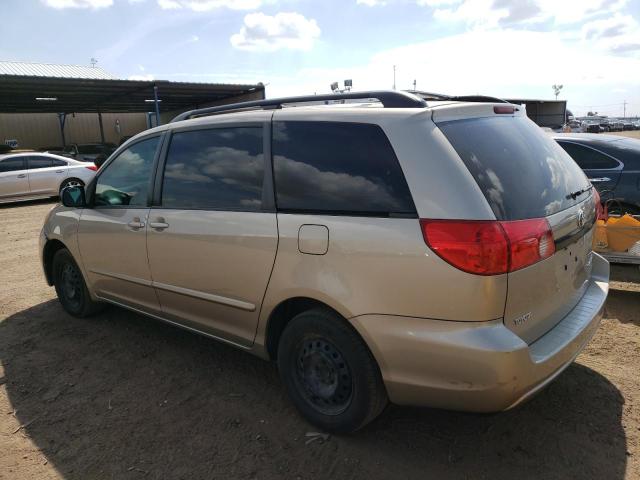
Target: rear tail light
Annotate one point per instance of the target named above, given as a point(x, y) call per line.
point(489, 247)
point(92, 167)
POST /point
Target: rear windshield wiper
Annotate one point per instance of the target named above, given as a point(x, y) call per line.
point(577, 193)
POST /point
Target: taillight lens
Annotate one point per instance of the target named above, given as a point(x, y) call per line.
point(489, 247)
point(92, 167)
point(508, 109)
point(529, 242)
point(473, 246)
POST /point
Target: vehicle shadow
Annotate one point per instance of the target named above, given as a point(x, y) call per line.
point(26, 203)
point(123, 396)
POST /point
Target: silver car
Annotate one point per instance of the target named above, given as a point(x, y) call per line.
point(425, 254)
point(30, 175)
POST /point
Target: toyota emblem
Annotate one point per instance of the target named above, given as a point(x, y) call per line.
point(580, 219)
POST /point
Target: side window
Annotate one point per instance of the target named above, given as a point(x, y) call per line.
point(59, 163)
point(38, 162)
point(218, 169)
point(588, 158)
point(11, 165)
point(337, 167)
point(125, 181)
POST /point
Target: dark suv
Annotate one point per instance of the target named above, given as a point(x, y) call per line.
point(612, 164)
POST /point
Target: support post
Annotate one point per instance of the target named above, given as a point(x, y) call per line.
point(101, 126)
point(62, 117)
point(157, 103)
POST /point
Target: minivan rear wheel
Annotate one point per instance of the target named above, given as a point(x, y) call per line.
point(329, 372)
point(71, 287)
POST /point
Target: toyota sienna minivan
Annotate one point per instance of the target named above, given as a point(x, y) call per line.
point(394, 249)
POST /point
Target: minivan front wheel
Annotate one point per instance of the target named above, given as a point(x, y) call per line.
point(329, 372)
point(71, 287)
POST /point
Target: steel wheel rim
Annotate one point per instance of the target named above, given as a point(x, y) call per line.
point(323, 376)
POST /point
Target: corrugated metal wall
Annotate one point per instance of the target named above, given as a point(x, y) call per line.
point(34, 130)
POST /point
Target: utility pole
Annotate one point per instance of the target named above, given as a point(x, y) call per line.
point(624, 115)
point(414, 86)
point(394, 77)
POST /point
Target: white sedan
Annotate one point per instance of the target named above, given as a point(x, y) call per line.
point(25, 176)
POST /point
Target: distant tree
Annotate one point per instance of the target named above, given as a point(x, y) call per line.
point(592, 114)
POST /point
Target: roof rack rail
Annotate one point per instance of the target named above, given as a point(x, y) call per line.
point(388, 98)
point(454, 98)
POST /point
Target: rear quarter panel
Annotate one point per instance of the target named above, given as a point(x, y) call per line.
point(377, 266)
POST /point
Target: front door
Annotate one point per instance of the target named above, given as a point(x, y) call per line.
point(212, 239)
point(112, 232)
point(13, 178)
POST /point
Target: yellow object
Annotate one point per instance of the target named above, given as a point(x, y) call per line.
point(600, 236)
point(621, 232)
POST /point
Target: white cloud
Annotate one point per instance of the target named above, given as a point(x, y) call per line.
point(371, 3)
point(504, 63)
point(619, 34)
point(268, 33)
point(145, 78)
point(169, 4)
point(436, 3)
point(207, 5)
point(492, 13)
point(95, 4)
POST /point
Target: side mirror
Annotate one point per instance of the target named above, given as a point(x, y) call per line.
point(73, 197)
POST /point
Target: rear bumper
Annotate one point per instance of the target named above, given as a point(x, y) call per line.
point(478, 366)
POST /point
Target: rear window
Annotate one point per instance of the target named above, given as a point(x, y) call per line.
point(626, 150)
point(588, 158)
point(522, 172)
point(338, 168)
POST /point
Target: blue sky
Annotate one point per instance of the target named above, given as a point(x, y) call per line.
point(505, 48)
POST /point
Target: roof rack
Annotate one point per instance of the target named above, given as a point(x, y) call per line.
point(388, 99)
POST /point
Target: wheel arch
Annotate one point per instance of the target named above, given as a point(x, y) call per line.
point(50, 248)
point(286, 310)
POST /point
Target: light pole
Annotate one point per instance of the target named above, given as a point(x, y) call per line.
point(556, 90)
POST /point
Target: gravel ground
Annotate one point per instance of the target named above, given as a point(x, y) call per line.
point(122, 396)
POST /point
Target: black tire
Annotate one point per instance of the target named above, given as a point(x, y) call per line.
point(70, 181)
point(329, 372)
point(70, 286)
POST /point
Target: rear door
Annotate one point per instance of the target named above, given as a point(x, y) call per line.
point(13, 178)
point(45, 177)
point(525, 174)
point(602, 169)
point(213, 234)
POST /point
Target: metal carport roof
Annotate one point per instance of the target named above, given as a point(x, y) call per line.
point(19, 94)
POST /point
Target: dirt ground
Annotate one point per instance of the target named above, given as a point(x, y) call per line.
point(120, 396)
point(631, 134)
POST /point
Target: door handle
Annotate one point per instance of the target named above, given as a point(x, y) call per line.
point(600, 180)
point(160, 225)
point(59, 171)
point(136, 224)
point(22, 175)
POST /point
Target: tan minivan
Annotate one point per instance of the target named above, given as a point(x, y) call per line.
point(432, 253)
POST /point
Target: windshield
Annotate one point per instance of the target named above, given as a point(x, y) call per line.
point(522, 172)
